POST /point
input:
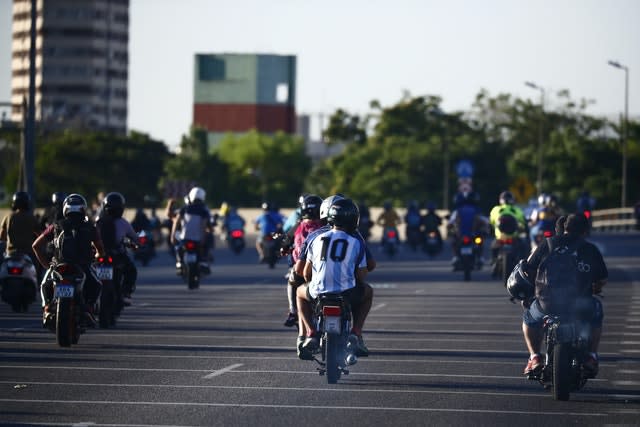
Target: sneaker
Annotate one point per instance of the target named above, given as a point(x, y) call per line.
point(533, 365)
point(302, 353)
point(178, 265)
point(361, 348)
point(292, 320)
point(126, 300)
point(48, 319)
point(311, 343)
point(590, 366)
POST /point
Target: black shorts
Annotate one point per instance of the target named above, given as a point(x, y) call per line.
point(355, 295)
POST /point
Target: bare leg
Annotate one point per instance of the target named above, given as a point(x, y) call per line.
point(361, 311)
point(304, 312)
point(533, 338)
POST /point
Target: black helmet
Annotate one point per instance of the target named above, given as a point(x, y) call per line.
point(506, 198)
point(310, 207)
point(57, 198)
point(20, 200)
point(344, 213)
point(113, 204)
point(518, 285)
point(74, 203)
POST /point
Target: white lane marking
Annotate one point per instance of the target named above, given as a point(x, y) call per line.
point(627, 383)
point(378, 306)
point(222, 371)
point(309, 407)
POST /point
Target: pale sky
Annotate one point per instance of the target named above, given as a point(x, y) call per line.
point(352, 51)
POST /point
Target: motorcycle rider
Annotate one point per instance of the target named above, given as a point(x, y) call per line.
point(546, 215)
point(310, 214)
point(360, 310)
point(465, 220)
point(270, 221)
point(388, 218)
point(337, 273)
point(193, 222)
point(508, 221)
point(114, 229)
point(233, 220)
point(20, 228)
point(431, 221)
point(74, 211)
point(412, 219)
point(365, 223)
point(591, 275)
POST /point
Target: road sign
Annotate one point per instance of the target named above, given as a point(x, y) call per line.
point(522, 189)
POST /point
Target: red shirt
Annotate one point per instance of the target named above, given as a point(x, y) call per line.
point(305, 228)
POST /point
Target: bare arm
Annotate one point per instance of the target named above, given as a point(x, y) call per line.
point(307, 273)
point(361, 273)
point(39, 250)
point(597, 286)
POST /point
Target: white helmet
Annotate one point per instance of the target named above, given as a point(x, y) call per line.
point(197, 193)
point(326, 204)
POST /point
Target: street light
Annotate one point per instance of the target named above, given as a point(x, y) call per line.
point(540, 134)
point(626, 129)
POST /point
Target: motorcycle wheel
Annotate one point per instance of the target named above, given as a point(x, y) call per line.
point(331, 358)
point(193, 276)
point(65, 324)
point(561, 372)
point(107, 305)
point(504, 267)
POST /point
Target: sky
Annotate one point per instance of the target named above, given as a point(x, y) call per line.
point(350, 52)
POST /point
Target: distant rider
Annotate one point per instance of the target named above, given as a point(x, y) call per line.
point(270, 221)
point(193, 222)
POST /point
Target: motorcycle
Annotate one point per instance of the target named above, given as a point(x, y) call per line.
point(433, 243)
point(191, 268)
point(271, 244)
point(235, 240)
point(468, 255)
point(332, 319)
point(415, 237)
point(540, 231)
point(390, 241)
point(111, 303)
point(66, 304)
point(18, 280)
point(567, 342)
point(145, 249)
point(509, 253)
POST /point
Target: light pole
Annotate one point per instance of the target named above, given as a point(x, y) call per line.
point(540, 134)
point(625, 132)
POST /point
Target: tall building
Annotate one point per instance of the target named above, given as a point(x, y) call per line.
point(82, 59)
point(240, 92)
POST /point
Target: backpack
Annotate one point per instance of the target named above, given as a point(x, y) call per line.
point(413, 219)
point(557, 284)
point(107, 229)
point(72, 242)
point(507, 223)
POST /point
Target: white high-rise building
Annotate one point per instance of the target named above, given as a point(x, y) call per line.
point(82, 59)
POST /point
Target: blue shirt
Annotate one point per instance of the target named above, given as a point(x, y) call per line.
point(269, 222)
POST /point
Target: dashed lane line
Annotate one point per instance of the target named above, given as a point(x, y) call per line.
point(222, 371)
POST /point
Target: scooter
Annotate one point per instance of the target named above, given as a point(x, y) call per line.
point(18, 279)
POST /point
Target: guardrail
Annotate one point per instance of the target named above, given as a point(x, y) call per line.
point(619, 219)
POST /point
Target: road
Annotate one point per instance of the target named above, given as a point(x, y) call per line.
point(443, 352)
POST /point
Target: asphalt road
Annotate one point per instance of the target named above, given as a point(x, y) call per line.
point(443, 352)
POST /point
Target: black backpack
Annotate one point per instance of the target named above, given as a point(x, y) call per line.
point(557, 284)
point(72, 242)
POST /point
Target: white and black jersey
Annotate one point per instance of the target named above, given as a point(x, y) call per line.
point(335, 256)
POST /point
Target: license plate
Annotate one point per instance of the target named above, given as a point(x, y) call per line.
point(63, 291)
point(190, 258)
point(466, 250)
point(332, 324)
point(104, 273)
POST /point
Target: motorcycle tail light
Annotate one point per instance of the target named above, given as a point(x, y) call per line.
point(190, 245)
point(587, 214)
point(478, 240)
point(547, 234)
point(466, 240)
point(143, 240)
point(391, 234)
point(331, 310)
point(236, 234)
point(64, 268)
point(506, 241)
point(15, 270)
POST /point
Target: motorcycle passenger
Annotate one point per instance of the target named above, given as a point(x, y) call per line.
point(193, 222)
point(431, 222)
point(412, 219)
point(508, 222)
point(114, 229)
point(360, 311)
point(388, 218)
point(331, 274)
point(591, 277)
point(86, 239)
point(310, 214)
point(466, 220)
point(270, 221)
